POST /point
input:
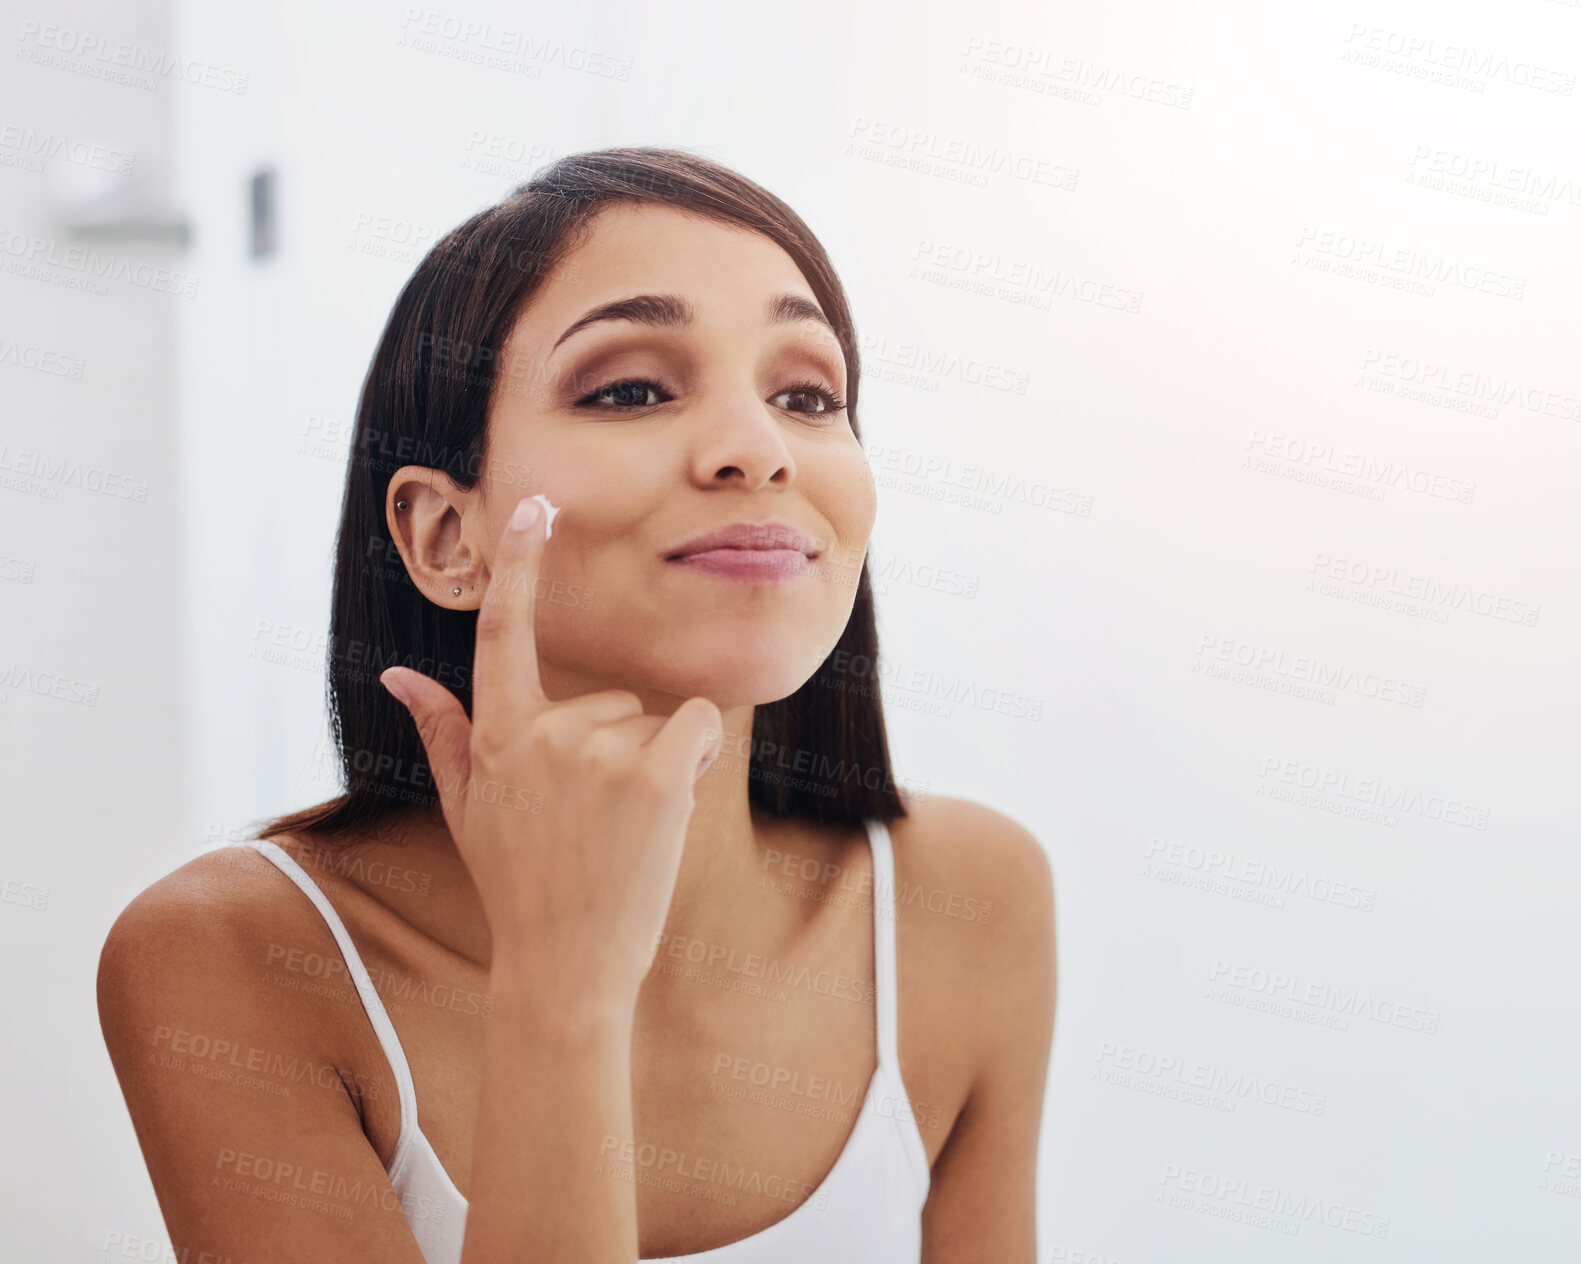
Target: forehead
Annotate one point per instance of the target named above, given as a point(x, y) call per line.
point(726, 272)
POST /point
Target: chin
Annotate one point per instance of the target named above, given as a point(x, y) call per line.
point(737, 676)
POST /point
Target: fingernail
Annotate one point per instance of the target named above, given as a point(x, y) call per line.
point(393, 684)
point(526, 514)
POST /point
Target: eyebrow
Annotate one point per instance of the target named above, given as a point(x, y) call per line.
point(674, 312)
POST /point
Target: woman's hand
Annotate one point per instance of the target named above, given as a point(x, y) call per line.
point(571, 816)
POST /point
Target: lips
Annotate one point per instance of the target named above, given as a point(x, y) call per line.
point(755, 536)
point(748, 550)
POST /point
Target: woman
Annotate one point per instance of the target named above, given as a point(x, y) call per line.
point(612, 882)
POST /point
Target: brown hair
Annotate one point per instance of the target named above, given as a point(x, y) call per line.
point(821, 753)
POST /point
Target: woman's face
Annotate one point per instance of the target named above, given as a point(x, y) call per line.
point(650, 432)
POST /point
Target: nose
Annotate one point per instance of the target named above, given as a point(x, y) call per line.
point(741, 441)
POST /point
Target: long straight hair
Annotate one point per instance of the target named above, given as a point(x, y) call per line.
point(821, 753)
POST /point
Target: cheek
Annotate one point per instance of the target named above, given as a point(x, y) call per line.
point(851, 500)
point(600, 490)
point(847, 498)
point(603, 499)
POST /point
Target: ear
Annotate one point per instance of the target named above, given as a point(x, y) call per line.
point(437, 535)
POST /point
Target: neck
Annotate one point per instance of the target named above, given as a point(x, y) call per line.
point(727, 844)
point(725, 837)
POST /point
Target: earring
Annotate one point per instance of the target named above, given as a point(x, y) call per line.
point(401, 504)
point(458, 592)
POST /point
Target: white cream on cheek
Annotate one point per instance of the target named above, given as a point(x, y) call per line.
point(550, 510)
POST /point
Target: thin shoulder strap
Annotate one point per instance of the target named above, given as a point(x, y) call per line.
point(382, 1026)
point(888, 993)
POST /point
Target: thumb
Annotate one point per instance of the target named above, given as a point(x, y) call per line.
point(445, 730)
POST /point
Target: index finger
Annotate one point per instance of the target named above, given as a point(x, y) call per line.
point(693, 730)
point(506, 688)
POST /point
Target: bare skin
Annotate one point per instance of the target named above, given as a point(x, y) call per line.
point(224, 948)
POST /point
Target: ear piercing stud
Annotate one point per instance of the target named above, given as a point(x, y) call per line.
point(402, 504)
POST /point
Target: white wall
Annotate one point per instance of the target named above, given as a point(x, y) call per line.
point(90, 590)
point(1268, 440)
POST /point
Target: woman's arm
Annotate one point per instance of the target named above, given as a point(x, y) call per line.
point(575, 894)
point(982, 1200)
point(234, 1082)
point(236, 1089)
point(554, 1106)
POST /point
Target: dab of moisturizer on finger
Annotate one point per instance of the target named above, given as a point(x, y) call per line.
point(549, 512)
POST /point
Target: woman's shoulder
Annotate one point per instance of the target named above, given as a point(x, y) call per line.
point(223, 896)
point(974, 896)
point(957, 854)
point(226, 1055)
point(206, 940)
point(974, 917)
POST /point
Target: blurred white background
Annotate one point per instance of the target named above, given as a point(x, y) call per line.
point(1223, 384)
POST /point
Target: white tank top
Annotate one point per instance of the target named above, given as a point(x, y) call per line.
point(868, 1208)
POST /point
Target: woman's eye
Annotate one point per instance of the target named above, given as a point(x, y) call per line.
point(641, 393)
point(632, 393)
point(811, 399)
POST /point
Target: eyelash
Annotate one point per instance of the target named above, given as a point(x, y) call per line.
point(835, 403)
